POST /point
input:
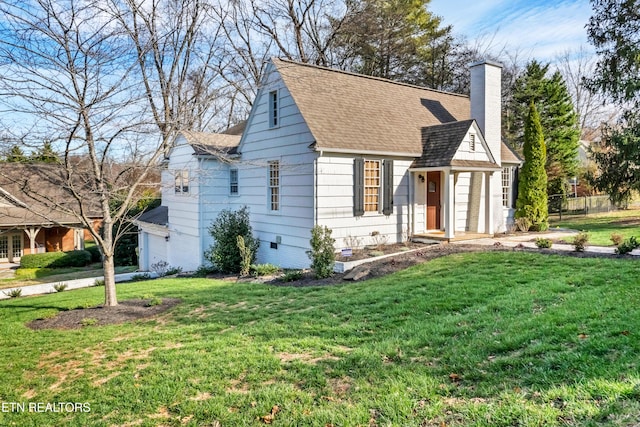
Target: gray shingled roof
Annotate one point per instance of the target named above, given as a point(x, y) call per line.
point(440, 144)
point(158, 216)
point(347, 111)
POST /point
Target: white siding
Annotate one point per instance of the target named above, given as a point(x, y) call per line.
point(335, 202)
point(287, 143)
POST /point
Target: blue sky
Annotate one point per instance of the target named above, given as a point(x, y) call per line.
point(538, 29)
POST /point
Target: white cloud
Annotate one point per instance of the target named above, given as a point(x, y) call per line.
point(540, 30)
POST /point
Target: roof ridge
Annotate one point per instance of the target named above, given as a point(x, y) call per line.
point(380, 79)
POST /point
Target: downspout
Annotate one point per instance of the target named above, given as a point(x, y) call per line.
point(315, 189)
point(200, 216)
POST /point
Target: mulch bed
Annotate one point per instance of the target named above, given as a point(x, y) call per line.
point(125, 311)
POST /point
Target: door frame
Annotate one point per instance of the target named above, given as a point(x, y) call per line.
point(438, 208)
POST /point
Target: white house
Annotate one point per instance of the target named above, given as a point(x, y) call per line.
point(370, 158)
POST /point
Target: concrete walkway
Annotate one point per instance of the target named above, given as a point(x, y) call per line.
point(528, 241)
point(48, 288)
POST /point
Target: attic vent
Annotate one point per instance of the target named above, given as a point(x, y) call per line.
point(472, 142)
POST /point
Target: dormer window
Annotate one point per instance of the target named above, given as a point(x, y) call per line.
point(274, 115)
point(472, 142)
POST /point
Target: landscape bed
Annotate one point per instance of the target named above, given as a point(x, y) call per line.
point(495, 338)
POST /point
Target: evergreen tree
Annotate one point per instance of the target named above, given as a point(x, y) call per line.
point(396, 39)
point(46, 154)
point(16, 155)
point(532, 188)
point(614, 30)
point(558, 119)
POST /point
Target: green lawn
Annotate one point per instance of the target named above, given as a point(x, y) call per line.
point(34, 276)
point(600, 227)
point(489, 339)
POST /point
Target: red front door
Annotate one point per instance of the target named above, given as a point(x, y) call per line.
point(433, 200)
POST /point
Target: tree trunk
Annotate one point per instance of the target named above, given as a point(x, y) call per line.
point(110, 298)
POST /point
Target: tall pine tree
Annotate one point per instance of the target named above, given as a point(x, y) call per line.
point(614, 30)
point(558, 119)
point(532, 187)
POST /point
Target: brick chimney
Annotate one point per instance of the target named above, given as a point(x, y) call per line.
point(486, 101)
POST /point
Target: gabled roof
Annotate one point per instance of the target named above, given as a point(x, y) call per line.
point(38, 196)
point(440, 143)
point(212, 144)
point(508, 155)
point(356, 113)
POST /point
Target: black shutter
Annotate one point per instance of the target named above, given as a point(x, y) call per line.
point(514, 186)
point(387, 188)
point(358, 187)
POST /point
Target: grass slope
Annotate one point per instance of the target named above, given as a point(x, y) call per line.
point(490, 339)
point(600, 227)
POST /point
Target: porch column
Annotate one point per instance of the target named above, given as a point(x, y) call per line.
point(488, 202)
point(32, 232)
point(449, 204)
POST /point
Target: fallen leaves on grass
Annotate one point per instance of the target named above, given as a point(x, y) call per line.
point(268, 419)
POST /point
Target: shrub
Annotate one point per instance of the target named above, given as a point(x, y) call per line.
point(245, 256)
point(543, 243)
point(140, 277)
point(264, 269)
point(89, 321)
point(154, 301)
point(292, 275)
point(627, 246)
point(523, 224)
point(580, 241)
point(60, 287)
point(173, 270)
point(322, 253)
point(204, 271)
point(96, 256)
point(14, 293)
point(56, 259)
point(616, 238)
point(224, 253)
point(98, 282)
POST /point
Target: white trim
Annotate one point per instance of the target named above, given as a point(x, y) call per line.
point(366, 152)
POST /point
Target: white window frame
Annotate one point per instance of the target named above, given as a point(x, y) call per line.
point(507, 181)
point(234, 185)
point(274, 195)
point(182, 184)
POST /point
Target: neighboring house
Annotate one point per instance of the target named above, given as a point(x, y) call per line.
point(374, 160)
point(28, 221)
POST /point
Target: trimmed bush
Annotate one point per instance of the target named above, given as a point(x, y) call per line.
point(56, 259)
point(543, 243)
point(627, 246)
point(96, 256)
point(580, 241)
point(322, 253)
point(224, 254)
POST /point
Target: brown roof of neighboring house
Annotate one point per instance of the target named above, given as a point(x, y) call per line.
point(347, 111)
point(212, 143)
point(36, 195)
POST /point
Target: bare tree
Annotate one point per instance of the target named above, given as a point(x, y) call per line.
point(175, 46)
point(68, 71)
point(592, 109)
